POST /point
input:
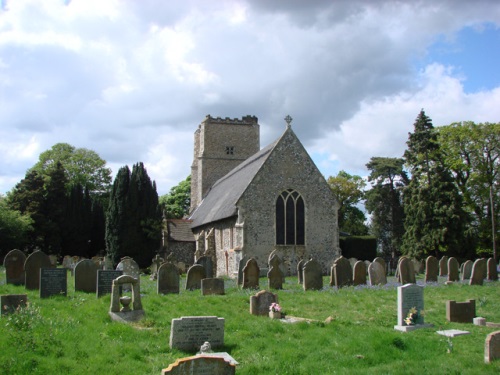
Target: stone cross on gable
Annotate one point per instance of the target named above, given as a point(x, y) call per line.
point(288, 120)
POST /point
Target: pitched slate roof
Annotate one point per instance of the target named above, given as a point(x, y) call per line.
point(220, 201)
point(180, 230)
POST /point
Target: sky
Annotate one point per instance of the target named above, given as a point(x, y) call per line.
point(132, 80)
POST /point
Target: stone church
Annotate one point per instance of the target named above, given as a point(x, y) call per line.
point(247, 202)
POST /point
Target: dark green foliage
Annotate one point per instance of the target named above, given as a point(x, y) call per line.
point(359, 247)
point(176, 203)
point(14, 228)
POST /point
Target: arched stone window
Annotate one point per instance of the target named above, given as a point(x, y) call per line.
point(290, 218)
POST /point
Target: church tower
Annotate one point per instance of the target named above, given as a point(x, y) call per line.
point(219, 146)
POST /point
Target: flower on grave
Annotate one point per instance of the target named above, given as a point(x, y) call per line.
point(412, 317)
point(275, 307)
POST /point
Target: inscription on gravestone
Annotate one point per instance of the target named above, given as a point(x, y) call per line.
point(190, 332)
point(53, 281)
point(105, 281)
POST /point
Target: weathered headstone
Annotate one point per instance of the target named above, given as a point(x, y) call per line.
point(155, 265)
point(53, 282)
point(194, 276)
point(410, 299)
point(10, 303)
point(359, 273)
point(34, 262)
point(14, 267)
point(376, 274)
point(168, 279)
point(300, 270)
point(190, 332)
point(312, 275)
point(467, 270)
point(260, 302)
point(275, 275)
point(207, 263)
point(352, 262)
point(382, 263)
point(213, 286)
point(431, 269)
point(125, 313)
point(492, 273)
point(453, 269)
point(251, 275)
point(492, 347)
point(461, 312)
point(478, 272)
point(86, 276)
point(241, 264)
point(129, 268)
point(406, 271)
point(443, 266)
point(201, 364)
point(341, 273)
point(105, 281)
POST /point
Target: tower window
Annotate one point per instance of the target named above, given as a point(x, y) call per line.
point(229, 150)
point(290, 218)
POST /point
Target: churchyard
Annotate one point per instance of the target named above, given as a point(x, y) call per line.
point(348, 330)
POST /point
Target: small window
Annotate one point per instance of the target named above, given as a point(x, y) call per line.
point(229, 150)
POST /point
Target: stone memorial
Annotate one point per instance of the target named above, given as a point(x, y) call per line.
point(492, 273)
point(300, 271)
point(14, 267)
point(382, 263)
point(341, 273)
point(260, 302)
point(201, 364)
point(431, 269)
point(213, 286)
point(168, 279)
point(129, 268)
point(492, 347)
point(34, 262)
point(376, 274)
point(241, 264)
point(453, 267)
point(467, 270)
point(275, 276)
point(53, 282)
point(410, 308)
point(461, 312)
point(207, 263)
point(10, 303)
point(478, 272)
point(86, 276)
point(406, 271)
point(125, 313)
point(188, 333)
point(251, 273)
point(359, 273)
point(443, 266)
point(194, 276)
point(312, 275)
point(155, 265)
point(105, 281)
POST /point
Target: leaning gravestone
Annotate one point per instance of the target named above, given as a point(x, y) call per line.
point(410, 298)
point(194, 276)
point(213, 286)
point(376, 274)
point(260, 302)
point(14, 267)
point(105, 281)
point(300, 270)
point(168, 279)
point(34, 262)
point(241, 264)
point(492, 347)
point(431, 269)
point(467, 270)
point(207, 263)
point(359, 273)
point(492, 273)
point(130, 268)
point(312, 275)
point(201, 364)
point(478, 272)
point(453, 267)
point(406, 271)
point(10, 303)
point(341, 273)
point(443, 266)
point(53, 282)
point(251, 274)
point(86, 276)
point(188, 333)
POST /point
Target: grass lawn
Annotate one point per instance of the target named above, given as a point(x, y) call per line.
point(74, 334)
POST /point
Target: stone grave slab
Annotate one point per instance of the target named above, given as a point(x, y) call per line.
point(431, 269)
point(105, 281)
point(359, 273)
point(491, 267)
point(188, 333)
point(14, 267)
point(86, 276)
point(453, 268)
point(53, 282)
point(201, 364)
point(376, 274)
point(312, 275)
point(195, 274)
point(126, 314)
point(341, 273)
point(34, 262)
point(251, 274)
point(452, 332)
point(492, 347)
point(478, 272)
point(207, 263)
point(410, 296)
point(213, 286)
point(11, 302)
point(260, 302)
point(467, 270)
point(461, 312)
point(168, 279)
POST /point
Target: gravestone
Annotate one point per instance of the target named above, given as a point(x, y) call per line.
point(14, 267)
point(406, 271)
point(86, 276)
point(461, 312)
point(126, 314)
point(10, 303)
point(492, 273)
point(382, 263)
point(168, 279)
point(129, 268)
point(212, 286)
point(300, 271)
point(352, 262)
point(188, 333)
point(207, 263)
point(492, 347)
point(410, 297)
point(359, 273)
point(453, 269)
point(241, 264)
point(251, 274)
point(67, 262)
point(341, 273)
point(478, 272)
point(275, 276)
point(201, 364)
point(260, 302)
point(105, 281)
point(53, 260)
point(443, 266)
point(155, 265)
point(53, 282)
point(376, 274)
point(194, 276)
point(312, 275)
point(34, 262)
point(431, 269)
point(467, 270)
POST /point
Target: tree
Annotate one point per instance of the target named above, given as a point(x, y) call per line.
point(348, 190)
point(385, 202)
point(15, 228)
point(435, 220)
point(176, 203)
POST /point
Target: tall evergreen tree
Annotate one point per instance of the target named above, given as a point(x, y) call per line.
point(78, 223)
point(435, 219)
